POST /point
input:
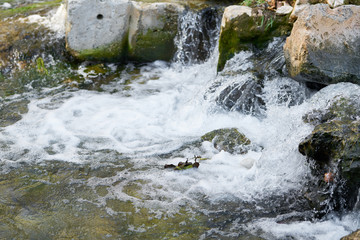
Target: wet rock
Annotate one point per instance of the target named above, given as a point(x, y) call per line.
point(245, 28)
point(153, 27)
point(229, 140)
point(243, 97)
point(11, 112)
point(334, 144)
point(324, 50)
point(353, 236)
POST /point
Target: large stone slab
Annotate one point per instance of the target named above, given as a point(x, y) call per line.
point(324, 45)
point(97, 29)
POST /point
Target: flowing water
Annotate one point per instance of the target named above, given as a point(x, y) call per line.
point(88, 164)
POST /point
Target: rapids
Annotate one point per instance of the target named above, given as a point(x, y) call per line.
point(158, 119)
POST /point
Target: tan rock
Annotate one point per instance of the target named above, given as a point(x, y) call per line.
point(234, 11)
point(324, 45)
point(353, 236)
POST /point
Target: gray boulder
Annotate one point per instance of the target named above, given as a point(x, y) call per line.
point(324, 45)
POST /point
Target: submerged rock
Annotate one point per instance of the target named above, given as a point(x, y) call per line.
point(11, 112)
point(243, 97)
point(334, 144)
point(324, 45)
point(229, 140)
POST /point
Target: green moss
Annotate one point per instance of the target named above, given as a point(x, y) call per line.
point(114, 52)
point(155, 44)
point(244, 33)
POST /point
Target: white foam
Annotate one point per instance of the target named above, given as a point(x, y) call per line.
point(333, 228)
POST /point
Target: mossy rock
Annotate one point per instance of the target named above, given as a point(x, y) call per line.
point(228, 139)
point(246, 32)
point(334, 145)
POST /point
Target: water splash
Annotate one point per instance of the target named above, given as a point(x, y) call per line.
point(197, 35)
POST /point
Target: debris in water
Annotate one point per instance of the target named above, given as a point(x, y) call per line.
point(185, 165)
point(329, 177)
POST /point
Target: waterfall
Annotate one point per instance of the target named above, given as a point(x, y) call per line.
point(197, 35)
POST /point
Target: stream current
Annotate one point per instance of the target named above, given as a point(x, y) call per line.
point(99, 156)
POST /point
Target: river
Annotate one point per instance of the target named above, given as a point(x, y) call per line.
point(87, 164)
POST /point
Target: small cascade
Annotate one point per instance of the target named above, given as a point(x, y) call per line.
point(251, 81)
point(197, 36)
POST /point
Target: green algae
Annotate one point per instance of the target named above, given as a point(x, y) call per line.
point(113, 52)
point(53, 201)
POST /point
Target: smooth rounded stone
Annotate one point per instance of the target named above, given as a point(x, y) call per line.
point(247, 163)
point(324, 45)
point(234, 11)
point(97, 29)
point(335, 3)
point(284, 10)
point(153, 27)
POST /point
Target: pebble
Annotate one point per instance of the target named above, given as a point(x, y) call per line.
point(6, 5)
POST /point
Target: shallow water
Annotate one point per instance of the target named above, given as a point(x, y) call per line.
point(90, 163)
